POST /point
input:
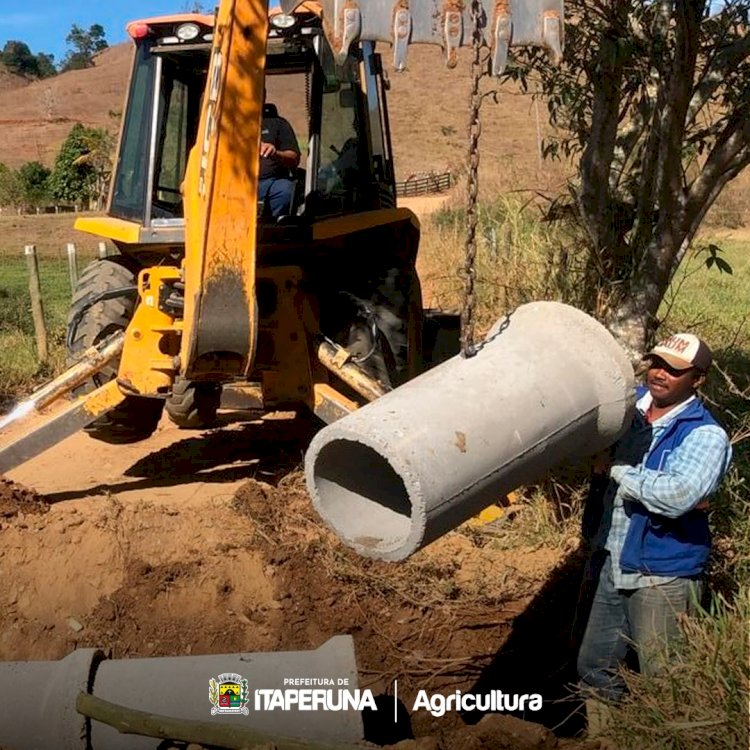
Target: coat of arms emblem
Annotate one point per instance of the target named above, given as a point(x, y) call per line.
point(229, 694)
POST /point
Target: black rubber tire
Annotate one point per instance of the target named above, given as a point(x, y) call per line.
point(193, 406)
point(136, 418)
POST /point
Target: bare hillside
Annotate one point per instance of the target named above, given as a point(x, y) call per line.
point(35, 120)
point(428, 116)
point(428, 113)
point(11, 81)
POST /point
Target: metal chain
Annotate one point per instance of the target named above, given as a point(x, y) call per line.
point(472, 188)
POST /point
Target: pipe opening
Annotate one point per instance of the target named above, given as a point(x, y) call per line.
point(362, 496)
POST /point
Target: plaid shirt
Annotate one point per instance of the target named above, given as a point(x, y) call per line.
point(691, 472)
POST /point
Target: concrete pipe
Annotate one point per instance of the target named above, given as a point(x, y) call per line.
point(39, 698)
point(549, 383)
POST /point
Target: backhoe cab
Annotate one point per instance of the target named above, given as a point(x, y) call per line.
point(339, 266)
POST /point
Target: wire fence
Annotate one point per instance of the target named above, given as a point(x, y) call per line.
point(424, 183)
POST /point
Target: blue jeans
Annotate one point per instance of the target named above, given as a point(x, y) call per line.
point(277, 192)
point(645, 619)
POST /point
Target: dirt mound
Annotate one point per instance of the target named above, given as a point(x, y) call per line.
point(435, 622)
point(135, 580)
point(15, 500)
point(165, 549)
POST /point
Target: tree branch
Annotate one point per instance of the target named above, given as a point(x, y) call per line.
point(643, 220)
point(214, 734)
point(672, 125)
point(727, 58)
point(729, 156)
point(596, 161)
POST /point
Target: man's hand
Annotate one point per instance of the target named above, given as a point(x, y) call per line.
point(267, 150)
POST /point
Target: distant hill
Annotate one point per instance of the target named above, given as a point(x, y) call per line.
point(428, 107)
point(34, 121)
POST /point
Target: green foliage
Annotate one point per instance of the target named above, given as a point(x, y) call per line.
point(34, 178)
point(653, 98)
point(714, 259)
point(18, 58)
point(26, 187)
point(11, 191)
point(82, 161)
point(46, 65)
point(85, 44)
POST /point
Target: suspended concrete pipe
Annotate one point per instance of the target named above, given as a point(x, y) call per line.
point(549, 383)
point(38, 709)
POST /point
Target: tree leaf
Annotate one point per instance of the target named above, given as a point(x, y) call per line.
point(723, 266)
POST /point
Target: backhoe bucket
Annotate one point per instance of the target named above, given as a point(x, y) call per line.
point(446, 23)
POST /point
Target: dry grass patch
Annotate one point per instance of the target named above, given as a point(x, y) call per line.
point(700, 701)
point(520, 258)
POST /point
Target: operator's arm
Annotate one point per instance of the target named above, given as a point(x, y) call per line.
point(696, 468)
point(287, 158)
point(285, 150)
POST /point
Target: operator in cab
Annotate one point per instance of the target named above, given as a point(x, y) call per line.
point(279, 156)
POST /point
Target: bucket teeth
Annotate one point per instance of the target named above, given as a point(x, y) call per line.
point(446, 23)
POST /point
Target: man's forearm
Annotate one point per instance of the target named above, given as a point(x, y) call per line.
point(696, 471)
point(288, 159)
point(664, 494)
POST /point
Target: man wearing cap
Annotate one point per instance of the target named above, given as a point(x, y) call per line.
point(651, 537)
point(279, 156)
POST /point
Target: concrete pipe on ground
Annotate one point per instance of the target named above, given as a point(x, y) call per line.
point(549, 383)
point(39, 698)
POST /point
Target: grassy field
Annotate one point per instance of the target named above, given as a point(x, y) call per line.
point(20, 370)
point(713, 301)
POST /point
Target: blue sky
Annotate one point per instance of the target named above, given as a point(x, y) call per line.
point(44, 24)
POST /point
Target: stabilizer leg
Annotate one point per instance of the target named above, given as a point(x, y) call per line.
point(78, 414)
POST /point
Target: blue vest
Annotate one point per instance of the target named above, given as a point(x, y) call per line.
point(655, 544)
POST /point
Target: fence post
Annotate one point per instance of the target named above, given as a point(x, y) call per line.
point(37, 308)
point(72, 266)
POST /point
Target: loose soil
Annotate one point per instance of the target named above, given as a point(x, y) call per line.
point(206, 542)
point(16, 500)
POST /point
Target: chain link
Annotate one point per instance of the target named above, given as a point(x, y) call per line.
point(468, 348)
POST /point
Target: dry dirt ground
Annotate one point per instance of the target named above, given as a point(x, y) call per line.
point(206, 542)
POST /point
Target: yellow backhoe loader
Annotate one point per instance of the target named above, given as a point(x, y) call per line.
point(321, 306)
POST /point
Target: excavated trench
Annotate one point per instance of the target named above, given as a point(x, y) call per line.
point(174, 554)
